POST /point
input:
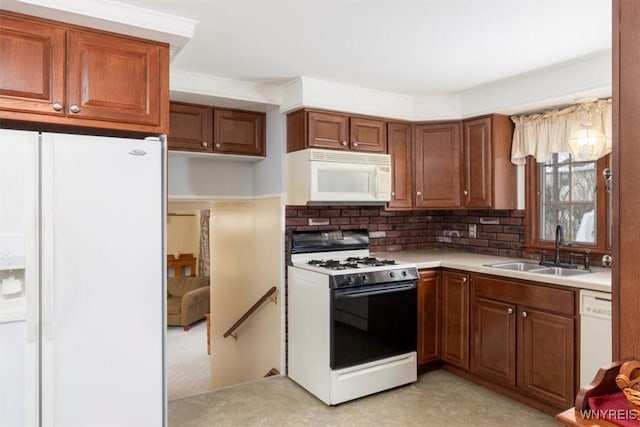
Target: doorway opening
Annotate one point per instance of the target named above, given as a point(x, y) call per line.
point(245, 249)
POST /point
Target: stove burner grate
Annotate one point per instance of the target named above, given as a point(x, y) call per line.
point(351, 262)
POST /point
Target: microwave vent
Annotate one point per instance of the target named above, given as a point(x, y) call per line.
point(346, 157)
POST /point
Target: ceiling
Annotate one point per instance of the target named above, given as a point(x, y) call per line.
point(405, 59)
point(409, 47)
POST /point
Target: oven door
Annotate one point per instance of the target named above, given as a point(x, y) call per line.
point(372, 322)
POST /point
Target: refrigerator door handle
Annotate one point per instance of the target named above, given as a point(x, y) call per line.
point(47, 306)
point(47, 251)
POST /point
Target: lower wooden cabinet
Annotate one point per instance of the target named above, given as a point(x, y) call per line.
point(546, 356)
point(428, 316)
point(455, 318)
point(523, 336)
point(493, 346)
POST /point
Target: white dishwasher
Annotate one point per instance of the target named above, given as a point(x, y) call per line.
point(595, 333)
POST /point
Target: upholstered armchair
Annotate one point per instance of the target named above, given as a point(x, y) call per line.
point(187, 300)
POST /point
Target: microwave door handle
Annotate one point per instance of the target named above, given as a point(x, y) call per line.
point(377, 182)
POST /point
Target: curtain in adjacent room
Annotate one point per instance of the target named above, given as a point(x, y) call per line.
point(204, 262)
point(541, 135)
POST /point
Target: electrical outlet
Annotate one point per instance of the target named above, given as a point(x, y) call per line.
point(472, 231)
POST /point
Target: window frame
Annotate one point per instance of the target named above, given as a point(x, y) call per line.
point(533, 243)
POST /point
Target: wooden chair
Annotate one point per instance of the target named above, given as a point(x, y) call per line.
point(603, 383)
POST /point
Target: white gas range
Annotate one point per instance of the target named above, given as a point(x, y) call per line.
point(352, 318)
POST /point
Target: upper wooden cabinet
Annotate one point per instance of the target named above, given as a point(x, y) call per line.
point(368, 135)
point(326, 130)
point(428, 316)
point(329, 130)
point(191, 127)
point(489, 176)
point(438, 154)
point(239, 132)
point(32, 67)
point(206, 129)
point(457, 165)
point(401, 150)
point(61, 74)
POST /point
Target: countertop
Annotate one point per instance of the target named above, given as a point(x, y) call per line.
point(598, 280)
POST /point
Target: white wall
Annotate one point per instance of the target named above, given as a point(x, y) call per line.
point(209, 178)
point(342, 97)
point(539, 89)
point(241, 233)
point(183, 232)
point(268, 173)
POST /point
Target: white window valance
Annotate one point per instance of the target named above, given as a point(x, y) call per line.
point(541, 135)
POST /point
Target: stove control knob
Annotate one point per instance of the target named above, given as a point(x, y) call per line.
point(364, 278)
point(351, 280)
point(404, 273)
point(392, 274)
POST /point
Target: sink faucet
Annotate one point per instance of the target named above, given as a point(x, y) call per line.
point(559, 241)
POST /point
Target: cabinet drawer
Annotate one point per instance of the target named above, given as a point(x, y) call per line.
point(524, 293)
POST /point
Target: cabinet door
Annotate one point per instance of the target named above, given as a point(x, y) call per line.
point(478, 164)
point(239, 132)
point(32, 67)
point(546, 356)
point(327, 130)
point(493, 340)
point(437, 165)
point(455, 318)
point(368, 135)
point(400, 149)
point(116, 79)
point(428, 316)
point(190, 127)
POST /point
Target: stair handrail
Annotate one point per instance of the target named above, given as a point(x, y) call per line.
point(254, 307)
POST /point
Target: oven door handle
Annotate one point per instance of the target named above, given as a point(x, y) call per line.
point(354, 293)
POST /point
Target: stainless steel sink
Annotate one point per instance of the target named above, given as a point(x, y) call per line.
point(516, 266)
point(559, 271)
point(536, 268)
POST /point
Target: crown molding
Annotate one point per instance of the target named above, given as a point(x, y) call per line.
point(112, 16)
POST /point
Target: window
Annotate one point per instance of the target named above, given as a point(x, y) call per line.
point(571, 194)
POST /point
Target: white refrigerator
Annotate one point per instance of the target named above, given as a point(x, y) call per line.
point(82, 280)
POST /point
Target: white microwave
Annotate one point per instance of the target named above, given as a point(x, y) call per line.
point(343, 177)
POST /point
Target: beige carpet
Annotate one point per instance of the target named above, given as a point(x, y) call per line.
point(437, 399)
point(188, 370)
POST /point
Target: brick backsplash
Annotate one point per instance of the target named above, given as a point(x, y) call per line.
point(497, 232)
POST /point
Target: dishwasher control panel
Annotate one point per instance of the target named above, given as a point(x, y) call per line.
point(595, 304)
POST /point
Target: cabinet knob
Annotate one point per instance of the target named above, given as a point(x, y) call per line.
point(393, 193)
point(74, 108)
point(524, 314)
point(419, 193)
point(217, 145)
point(355, 144)
point(465, 192)
point(509, 310)
point(465, 280)
point(57, 106)
point(204, 144)
point(344, 143)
